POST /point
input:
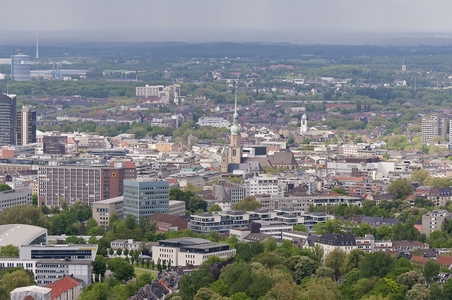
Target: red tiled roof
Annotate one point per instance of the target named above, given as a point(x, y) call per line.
point(420, 259)
point(62, 285)
point(444, 260)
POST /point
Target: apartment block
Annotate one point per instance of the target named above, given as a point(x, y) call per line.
point(433, 125)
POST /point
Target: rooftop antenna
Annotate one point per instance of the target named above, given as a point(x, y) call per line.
point(7, 88)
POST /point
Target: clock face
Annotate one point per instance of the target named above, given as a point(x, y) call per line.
point(113, 174)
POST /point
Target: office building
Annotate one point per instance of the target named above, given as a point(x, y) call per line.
point(50, 270)
point(168, 222)
point(55, 145)
point(189, 251)
point(7, 119)
point(15, 197)
point(20, 67)
point(26, 126)
point(176, 208)
point(227, 192)
point(82, 183)
point(144, 197)
point(62, 252)
point(221, 221)
point(166, 94)
point(103, 210)
point(433, 125)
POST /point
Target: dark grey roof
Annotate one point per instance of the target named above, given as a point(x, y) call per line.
point(337, 239)
point(283, 158)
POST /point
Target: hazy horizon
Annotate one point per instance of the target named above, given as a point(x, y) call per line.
point(289, 21)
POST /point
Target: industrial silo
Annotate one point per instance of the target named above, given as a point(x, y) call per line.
point(20, 67)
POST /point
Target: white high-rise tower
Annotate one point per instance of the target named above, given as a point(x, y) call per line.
point(37, 45)
point(304, 124)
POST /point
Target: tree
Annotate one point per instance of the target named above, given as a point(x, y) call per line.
point(300, 227)
point(410, 279)
point(376, 264)
point(9, 251)
point(119, 251)
point(336, 260)
point(24, 214)
point(339, 191)
point(207, 294)
point(121, 269)
point(325, 272)
point(248, 204)
point(214, 207)
point(400, 189)
point(270, 244)
point(320, 289)
point(420, 175)
point(431, 271)
point(111, 251)
point(34, 199)
point(99, 265)
point(418, 292)
point(5, 187)
point(354, 258)
point(74, 240)
point(306, 267)
point(16, 279)
point(126, 252)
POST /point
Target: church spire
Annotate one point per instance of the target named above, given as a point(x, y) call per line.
point(235, 128)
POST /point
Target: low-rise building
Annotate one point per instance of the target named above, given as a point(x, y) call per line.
point(189, 251)
point(31, 292)
point(220, 221)
point(168, 222)
point(71, 252)
point(367, 243)
point(15, 197)
point(66, 288)
point(50, 270)
point(331, 241)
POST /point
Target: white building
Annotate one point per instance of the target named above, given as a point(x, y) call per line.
point(189, 251)
point(263, 184)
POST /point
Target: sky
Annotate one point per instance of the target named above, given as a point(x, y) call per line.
point(205, 20)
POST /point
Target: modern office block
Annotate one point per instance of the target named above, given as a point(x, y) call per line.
point(144, 197)
point(7, 119)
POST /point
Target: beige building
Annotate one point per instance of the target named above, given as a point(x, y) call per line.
point(433, 125)
point(176, 208)
point(103, 210)
point(433, 220)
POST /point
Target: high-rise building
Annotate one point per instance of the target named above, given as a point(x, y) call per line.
point(20, 67)
point(54, 145)
point(26, 126)
point(144, 197)
point(433, 125)
point(82, 183)
point(7, 119)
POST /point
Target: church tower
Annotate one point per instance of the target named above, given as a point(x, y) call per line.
point(235, 150)
point(304, 124)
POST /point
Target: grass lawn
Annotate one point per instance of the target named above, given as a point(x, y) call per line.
point(141, 272)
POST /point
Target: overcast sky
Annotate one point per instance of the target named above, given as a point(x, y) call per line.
point(263, 15)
